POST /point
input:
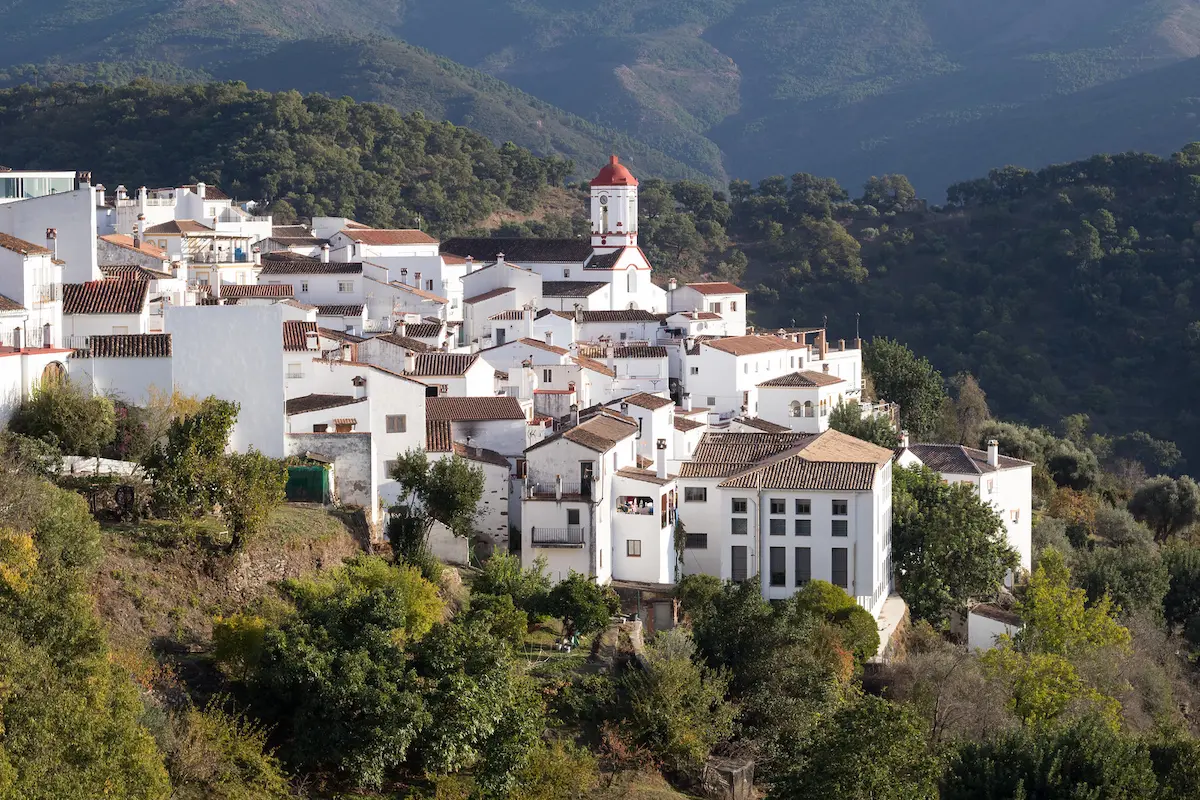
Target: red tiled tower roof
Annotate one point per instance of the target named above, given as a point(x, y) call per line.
point(614, 174)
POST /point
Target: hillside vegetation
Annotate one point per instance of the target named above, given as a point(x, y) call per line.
point(938, 89)
point(301, 155)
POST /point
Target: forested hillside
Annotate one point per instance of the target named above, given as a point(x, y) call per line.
point(938, 90)
point(301, 155)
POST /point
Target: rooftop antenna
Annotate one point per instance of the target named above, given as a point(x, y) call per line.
point(825, 321)
point(857, 316)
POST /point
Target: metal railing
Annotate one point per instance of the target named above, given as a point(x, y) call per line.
point(568, 487)
point(570, 536)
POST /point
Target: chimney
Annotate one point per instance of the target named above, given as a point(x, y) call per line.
point(312, 341)
point(993, 453)
point(904, 439)
point(410, 362)
point(574, 414)
point(608, 357)
point(687, 401)
point(661, 447)
point(201, 190)
point(500, 259)
point(527, 321)
point(470, 264)
point(138, 230)
point(579, 313)
point(842, 345)
point(404, 276)
point(143, 197)
point(256, 255)
point(122, 193)
point(360, 387)
point(558, 487)
point(325, 253)
point(52, 240)
point(822, 347)
point(527, 379)
point(672, 284)
point(402, 327)
point(417, 280)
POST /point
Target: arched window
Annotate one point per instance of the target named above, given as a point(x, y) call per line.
point(795, 409)
point(808, 408)
point(604, 219)
point(631, 281)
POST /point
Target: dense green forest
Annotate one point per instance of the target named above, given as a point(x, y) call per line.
point(938, 90)
point(300, 155)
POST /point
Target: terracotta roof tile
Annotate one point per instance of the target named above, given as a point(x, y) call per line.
point(133, 272)
point(684, 425)
point(480, 454)
point(593, 365)
point(600, 433)
point(803, 379)
point(717, 287)
point(380, 237)
point(752, 345)
point(640, 351)
point(341, 336)
point(473, 409)
point(288, 255)
point(319, 402)
point(295, 335)
point(957, 459)
point(407, 342)
point(110, 296)
point(797, 472)
point(443, 364)
point(8, 304)
point(605, 260)
point(272, 290)
point(649, 401)
point(649, 476)
point(340, 311)
point(23, 247)
point(297, 266)
point(424, 330)
point(177, 226)
point(571, 288)
point(437, 435)
point(418, 291)
point(479, 298)
point(121, 240)
point(130, 345)
point(762, 425)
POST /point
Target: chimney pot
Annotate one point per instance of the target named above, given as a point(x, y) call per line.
point(672, 284)
point(842, 345)
point(325, 253)
point(687, 401)
point(993, 453)
point(661, 461)
point(904, 439)
point(410, 361)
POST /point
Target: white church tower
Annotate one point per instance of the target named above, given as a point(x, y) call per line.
point(614, 207)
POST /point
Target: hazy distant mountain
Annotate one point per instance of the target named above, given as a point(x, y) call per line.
point(743, 87)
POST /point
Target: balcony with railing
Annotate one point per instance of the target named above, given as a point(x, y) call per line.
point(559, 489)
point(570, 536)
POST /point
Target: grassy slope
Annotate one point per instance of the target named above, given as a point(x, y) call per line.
point(159, 593)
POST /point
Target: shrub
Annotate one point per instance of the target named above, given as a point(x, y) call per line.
point(528, 588)
point(500, 616)
point(61, 414)
point(254, 487)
